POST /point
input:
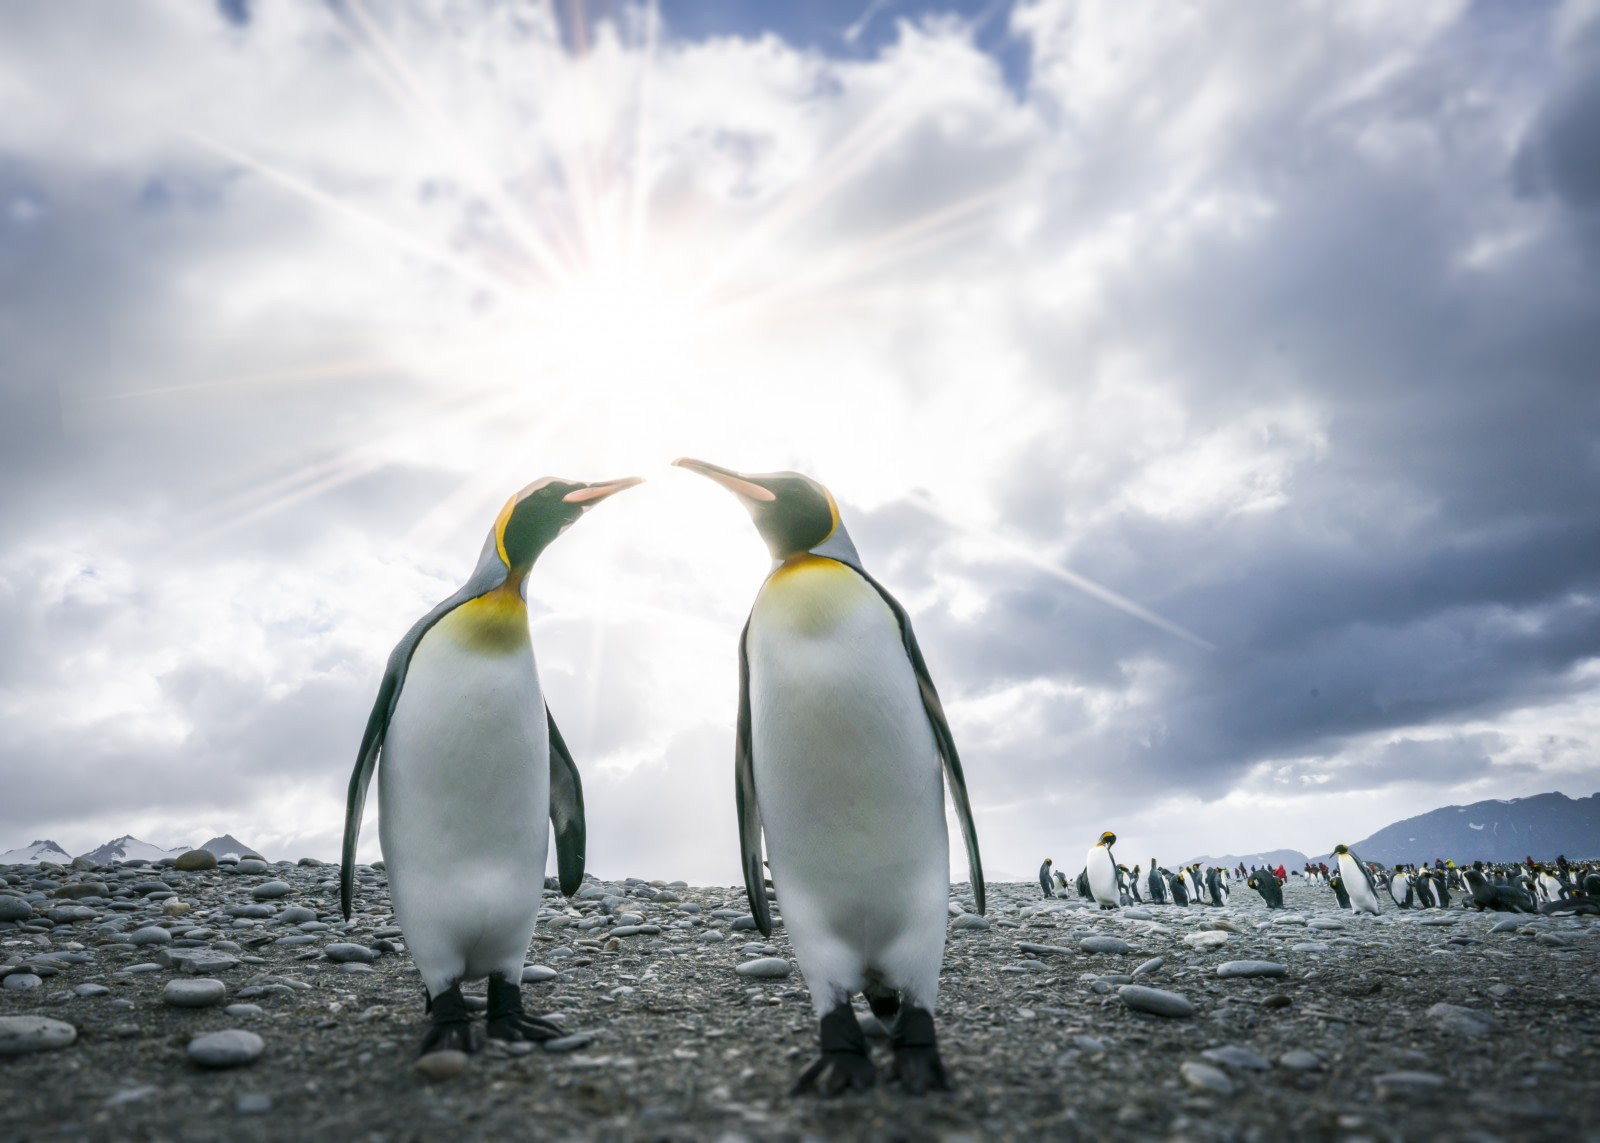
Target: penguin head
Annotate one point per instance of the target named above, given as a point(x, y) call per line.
point(1108, 839)
point(793, 513)
point(542, 511)
point(1341, 848)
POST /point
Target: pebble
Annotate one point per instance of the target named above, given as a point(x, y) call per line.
point(14, 908)
point(1553, 940)
point(1509, 925)
point(195, 860)
point(342, 952)
point(436, 1067)
point(1209, 939)
point(269, 890)
point(1043, 950)
point(253, 1103)
point(21, 982)
point(1311, 947)
point(1324, 924)
point(1114, 945)
point(1237, 1058)
point(1204, 1077)
point(296, 915)
point(150, 936)
point(22, 1034)
point(1462, 1021)
point(1239, 969)
point(1137, 914)
point(230, 1048)
point(201, 993)
point(570, 1043)
point(240, 1010)
point(763, 968)
point(1406, 1085)
point(965, 921)
point(1154, 964)
point(251, 865)
point(1300, 1060)
point(537, 974)
point(1437, 921)
point(1157, 1001)
point(88, 990)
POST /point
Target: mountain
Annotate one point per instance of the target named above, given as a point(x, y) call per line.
point(130, 848)
point(228, 844)
point(35, 853)
point(1541, 826)
point(1288, 858)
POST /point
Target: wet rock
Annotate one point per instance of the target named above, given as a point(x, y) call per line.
point(1157, 1001)
point(20, 1035)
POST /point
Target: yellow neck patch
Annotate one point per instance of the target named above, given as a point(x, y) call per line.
point(495, 623)
point(811, 595)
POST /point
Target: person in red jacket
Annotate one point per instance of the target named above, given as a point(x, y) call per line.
point(1282, 873)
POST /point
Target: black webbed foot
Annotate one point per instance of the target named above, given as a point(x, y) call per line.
point(507, 1020)
point(917, 1066)
point(845, 1065)
point(451, 1026)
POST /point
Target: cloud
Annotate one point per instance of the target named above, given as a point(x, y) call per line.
point(1279, 330)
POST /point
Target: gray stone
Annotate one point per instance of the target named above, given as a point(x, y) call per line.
point(202, 993)
point(1239, 969)
point(1462, 1021)
point(343, 952)
point(1156, 1001)
point(14, 908)
point(195, 961)
point(74, 890)
point(537, 974)
point(1154, 964)
point(1553, 940)
point(1137, 914)
point(1407, 1085)
point(72, 914)
point(296, 915)
point(1237, 1058)
point(268, 890)
point(436, 1067)
point(570, 1043)
point(22, 1034)
point(1300, 1060)
point(88, 990)
point(1311, 947)
point(1112, 945)
point(195, 860)
point(241, 1010)
point(21, 982)
point(253, 912)
point(356, 967)
point(1207, 940)
point(251, 865)
point(764, 968)
point(150, 936)
point(1509, 925)
point(966, 921)
point(253, 1103)
point(1043, 950)
point(230, 1048)
point(1204, 1077)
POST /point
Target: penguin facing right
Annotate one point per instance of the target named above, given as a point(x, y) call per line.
point(841, 756)
point(1336, 883)
point(472, 767)
point(1358, 884)
point(1101, 867)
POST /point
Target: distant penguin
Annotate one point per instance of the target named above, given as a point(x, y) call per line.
point(1191, 882)
point(1336, 882)
point(1101, 866)
point(1062, 884)
point(1180, 891)
point(1400, 887)
point(1044, 878)
point(1158, 887)
point(1358, 883)
point(1082, 885)
point(1500, 898)
point(842, 756)
point(472, 769)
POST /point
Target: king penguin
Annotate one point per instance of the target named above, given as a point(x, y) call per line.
point(1158, 885)
point(1101, 866)
point(473, 765)
point(838, 750)
point(1358, 883)
point(1045, 881)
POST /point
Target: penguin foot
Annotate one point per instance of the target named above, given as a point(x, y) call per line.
point(845, 1065)
point(451, 1026)
point(507, 1020)
point(917, 1066)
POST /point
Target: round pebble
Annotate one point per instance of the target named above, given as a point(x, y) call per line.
point(435, 1067)
point(1407, 1085)
point(230, 1048)
point(150, 936)
point(21, 982)
point(22, 1034)
point(537, 973)
point(1241, 969)
point(1207, 940)
point(195, 860)
point(1156, 1001)
point(14, 908)
point(965, 921)
point(268, 890)
point(1237, 1058)
point(1154, 964)
point(764, 968)
point(343, 952)
point(1114, 945)
point(197, 993)
point(1300, 1060)
point(1204, 1077)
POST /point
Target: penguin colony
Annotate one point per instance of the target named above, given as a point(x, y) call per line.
point(843, 757)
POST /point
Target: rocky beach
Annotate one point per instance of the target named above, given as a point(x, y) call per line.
point(234, 1003)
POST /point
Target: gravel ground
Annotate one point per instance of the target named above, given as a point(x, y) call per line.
point(1413, 1025)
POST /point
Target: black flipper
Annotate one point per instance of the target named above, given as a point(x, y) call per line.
point(394, 677)
point(745, 798)
point(917, 1066)
point(507, 1020)
point(844, 1065)
point(566, 811)
point(451, 1024)
point(942, 739)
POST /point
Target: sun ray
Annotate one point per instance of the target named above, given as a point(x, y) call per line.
point(407, 90)
point(353, 367)
point(1025, 554)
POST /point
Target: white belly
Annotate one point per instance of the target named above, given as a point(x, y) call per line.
point(849, 784)
point(1355, 885)
point(464, 794)
point(1103, 876)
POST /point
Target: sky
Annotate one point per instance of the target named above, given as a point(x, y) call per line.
point(1217, 386)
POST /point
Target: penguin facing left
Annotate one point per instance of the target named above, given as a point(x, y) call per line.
point(473, 766)
point(1045, 881)
point(1101, 866)
point(840, 743)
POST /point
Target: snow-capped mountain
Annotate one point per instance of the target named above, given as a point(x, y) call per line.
point(130, 848)
point(34, 853)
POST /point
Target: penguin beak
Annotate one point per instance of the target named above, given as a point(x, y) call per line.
point(735, 482)
point(591, 494)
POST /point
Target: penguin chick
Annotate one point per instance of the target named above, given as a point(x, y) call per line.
point(473, 765)
point(840, 742)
